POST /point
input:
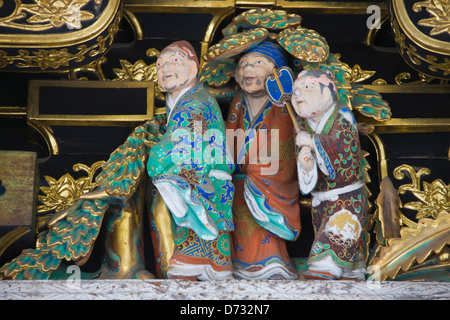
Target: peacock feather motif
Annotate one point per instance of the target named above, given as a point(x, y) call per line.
point(71, 233)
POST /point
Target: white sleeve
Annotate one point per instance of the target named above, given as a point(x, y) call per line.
point(221, 175)
point(307, 180)
point(172, 198)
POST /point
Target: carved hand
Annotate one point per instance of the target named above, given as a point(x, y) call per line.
point(306, 159)
point(304, 139)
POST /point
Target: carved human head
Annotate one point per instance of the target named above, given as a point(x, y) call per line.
point(177, 67)
point(257, 64)
point(313, 94)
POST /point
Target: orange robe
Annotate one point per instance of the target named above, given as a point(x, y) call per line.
point(265, 207)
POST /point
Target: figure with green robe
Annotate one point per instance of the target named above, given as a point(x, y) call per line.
point(182, 154)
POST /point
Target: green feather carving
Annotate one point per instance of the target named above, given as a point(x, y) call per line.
point(262, 18)
point(72, 232)
point(415, 245)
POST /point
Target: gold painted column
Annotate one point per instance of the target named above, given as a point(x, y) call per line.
point(162, 234)
point(124, 244)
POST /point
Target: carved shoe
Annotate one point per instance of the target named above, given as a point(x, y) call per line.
point(318, 275)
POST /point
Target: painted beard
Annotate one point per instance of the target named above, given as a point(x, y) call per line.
point(306, 112)
point(248, 82)
point(309, 113)
point(174, 86)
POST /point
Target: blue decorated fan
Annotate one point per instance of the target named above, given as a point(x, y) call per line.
point(278, 88)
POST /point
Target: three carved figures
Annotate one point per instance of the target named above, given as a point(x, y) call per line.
point(224, 190)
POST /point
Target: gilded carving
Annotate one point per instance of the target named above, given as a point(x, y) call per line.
point(379, 82)
point(414, 246)
point(140, 71)
point(423, 78)
point(45, 59)
point(434, 198)
point(356, 74)
point(62, 193)
point(440, 15)
point(407, 250)
point(415, 57)
point(48, 14)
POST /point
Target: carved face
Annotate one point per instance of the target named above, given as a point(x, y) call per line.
point(175, 70)
point(310, 98)
point(252, 71)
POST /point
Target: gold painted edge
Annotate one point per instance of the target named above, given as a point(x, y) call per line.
point(85, 120)
point(64, 39)
point(414, 34)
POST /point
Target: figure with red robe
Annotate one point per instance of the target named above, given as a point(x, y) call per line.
point(260, 135)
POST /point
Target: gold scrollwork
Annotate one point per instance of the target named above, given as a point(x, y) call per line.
point(415, 57)
point(402, 76)
point(379, 82)
point(423, 78)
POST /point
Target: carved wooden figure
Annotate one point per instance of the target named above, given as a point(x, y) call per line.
point(184, 157)
point(265, 208)
point(329, 167)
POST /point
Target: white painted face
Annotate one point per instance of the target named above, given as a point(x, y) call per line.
point(175, 70)
point(309, 100)
point(252, 71)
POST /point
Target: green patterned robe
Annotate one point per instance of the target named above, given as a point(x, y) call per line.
point(148, 149)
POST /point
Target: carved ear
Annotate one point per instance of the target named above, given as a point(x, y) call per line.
point(329, 73)
point(302, 73)
point(193, 70)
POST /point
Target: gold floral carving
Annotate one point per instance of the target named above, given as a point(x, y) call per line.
point(440, 12)
point(48, 14)
point(356, 74)
point(415, 242)
point(434, 198)
point(140, 71)
point(56, 58)
point(62, 193)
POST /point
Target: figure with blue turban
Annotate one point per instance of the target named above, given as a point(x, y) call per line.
point(266, 209)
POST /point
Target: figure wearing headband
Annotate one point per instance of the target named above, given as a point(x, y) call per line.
point(265, 207)
point(329, 167)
